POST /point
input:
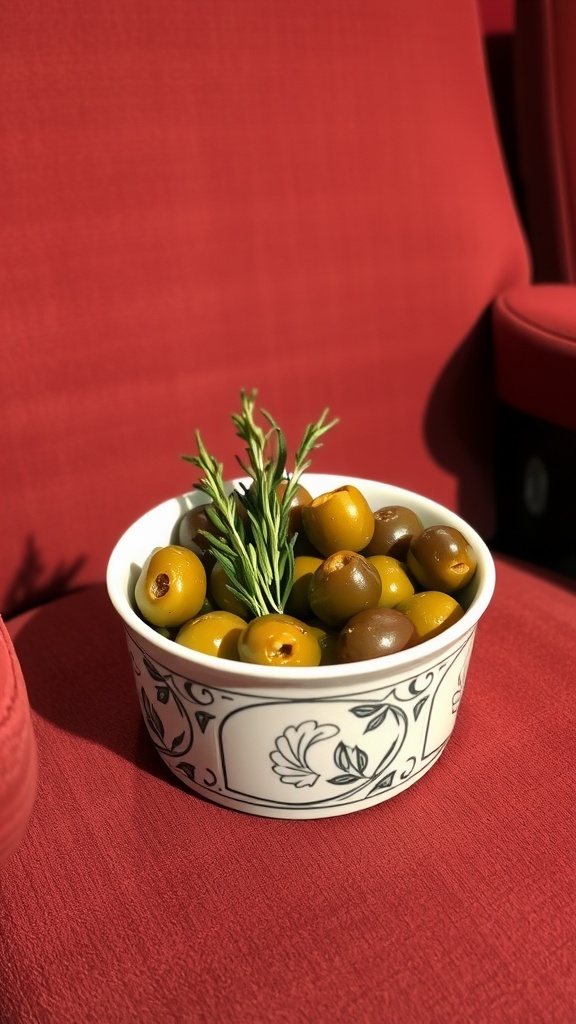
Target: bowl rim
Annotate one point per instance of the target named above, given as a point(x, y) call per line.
point(239, 674)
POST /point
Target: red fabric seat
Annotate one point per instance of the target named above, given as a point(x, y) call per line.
point(309, 199)
point(131, 900)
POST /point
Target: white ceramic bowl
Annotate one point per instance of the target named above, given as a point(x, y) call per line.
point(299, 742)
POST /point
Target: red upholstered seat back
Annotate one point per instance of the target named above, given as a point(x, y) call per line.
point(545, 94)
point(307, 198)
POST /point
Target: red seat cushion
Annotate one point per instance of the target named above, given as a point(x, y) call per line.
point(131, 900)
point(535, 351)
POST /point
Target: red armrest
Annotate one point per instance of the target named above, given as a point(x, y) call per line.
point(535, 351)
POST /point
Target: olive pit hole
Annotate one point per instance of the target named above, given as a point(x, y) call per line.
point(161, 585)
point(459, 567)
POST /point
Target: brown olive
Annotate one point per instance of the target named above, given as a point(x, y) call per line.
point(373, 634)
point(298, 603)
point(191, 530)
point(303, 546)
point(394, 528)
point(440, 558)
point(345, 583)
point(302, 497)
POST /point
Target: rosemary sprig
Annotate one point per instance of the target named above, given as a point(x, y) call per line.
point(257, 555)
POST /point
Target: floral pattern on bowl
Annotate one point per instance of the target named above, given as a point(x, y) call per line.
point(323, 754)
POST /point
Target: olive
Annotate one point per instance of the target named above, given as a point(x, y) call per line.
point(440, 558)
point(374, 633)
point(192, 527)
point(171, 587)
point(394, 528)
point(298, 603)
point(327, 639)
point(396, 583)
point(221, 594)
point(279, 640)
point(343, 584)
point(214, 633)
point(302, 546)
point(302, 497)
point(338, 520)
point(207, 606)
point(431, 612)
point(168, 634)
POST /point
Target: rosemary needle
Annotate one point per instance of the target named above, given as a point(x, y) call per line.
point(255, 549)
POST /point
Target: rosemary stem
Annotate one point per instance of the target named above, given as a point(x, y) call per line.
point(257, 554)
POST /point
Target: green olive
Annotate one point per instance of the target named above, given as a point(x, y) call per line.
point(221, 594)
point(171, 587)
point(343, 584)
point(279, 640)
point(431, 611)
point(338, 520)
point(327, 638)
point(396, 583)
point(374, 633)
point(394, 528)
point(215, 633)
point(298, 604)
point(440, 558)
point(164, 631)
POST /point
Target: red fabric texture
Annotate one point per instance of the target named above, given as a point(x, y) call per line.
point(132, 901)
point(203, 197)
point(535, 351)
point(545, 91)
point(308, 198)
point(17, 750)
